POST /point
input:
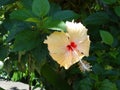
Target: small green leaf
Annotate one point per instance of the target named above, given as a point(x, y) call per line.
point(117, 10)
point(107, 85)
point(26, 40)
point(109, 1)
point(16, 76)
point(21, 14)
point(65, 15)
point(98, 18)
point(40, 7)
point(107, 38)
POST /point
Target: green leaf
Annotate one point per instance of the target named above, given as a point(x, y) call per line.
point(109, 1)
point(26, 40)
point(15, 27)
point(107, 85)
point(54, 25)
point(117, 10)
point(97, 18)
point(40, 7)
point(21, 14)
point(65, 15)
point(107, 38)
point(84, 84)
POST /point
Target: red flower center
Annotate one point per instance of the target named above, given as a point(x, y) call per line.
point(71, 46)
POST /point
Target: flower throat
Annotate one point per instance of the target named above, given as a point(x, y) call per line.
point(71, 46)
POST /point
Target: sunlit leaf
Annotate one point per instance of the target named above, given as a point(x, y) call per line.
point(16, 76)
point(54, 25)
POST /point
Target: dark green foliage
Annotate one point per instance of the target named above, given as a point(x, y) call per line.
point(21, 14)
point(3, 52)
point(5, 2)
point(117, 10)
point(65, 15)
point(24, 25)
point(28, 41)
point(85, 84)
point(97, 18)
point(107, 85)
point(54, 78)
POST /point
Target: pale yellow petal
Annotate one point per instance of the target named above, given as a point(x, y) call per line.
point(63, 59)
point(76, 31)
point(57, 42)
point(67, 59)
point(77, 56)
point(84, 46)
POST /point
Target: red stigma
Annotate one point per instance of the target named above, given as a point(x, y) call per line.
point(71, 46)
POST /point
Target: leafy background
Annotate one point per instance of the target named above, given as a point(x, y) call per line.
point(24, 24)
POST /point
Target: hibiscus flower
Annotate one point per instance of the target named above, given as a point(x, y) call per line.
point(67, 48)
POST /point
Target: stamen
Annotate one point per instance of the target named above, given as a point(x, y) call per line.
point(84, 66)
